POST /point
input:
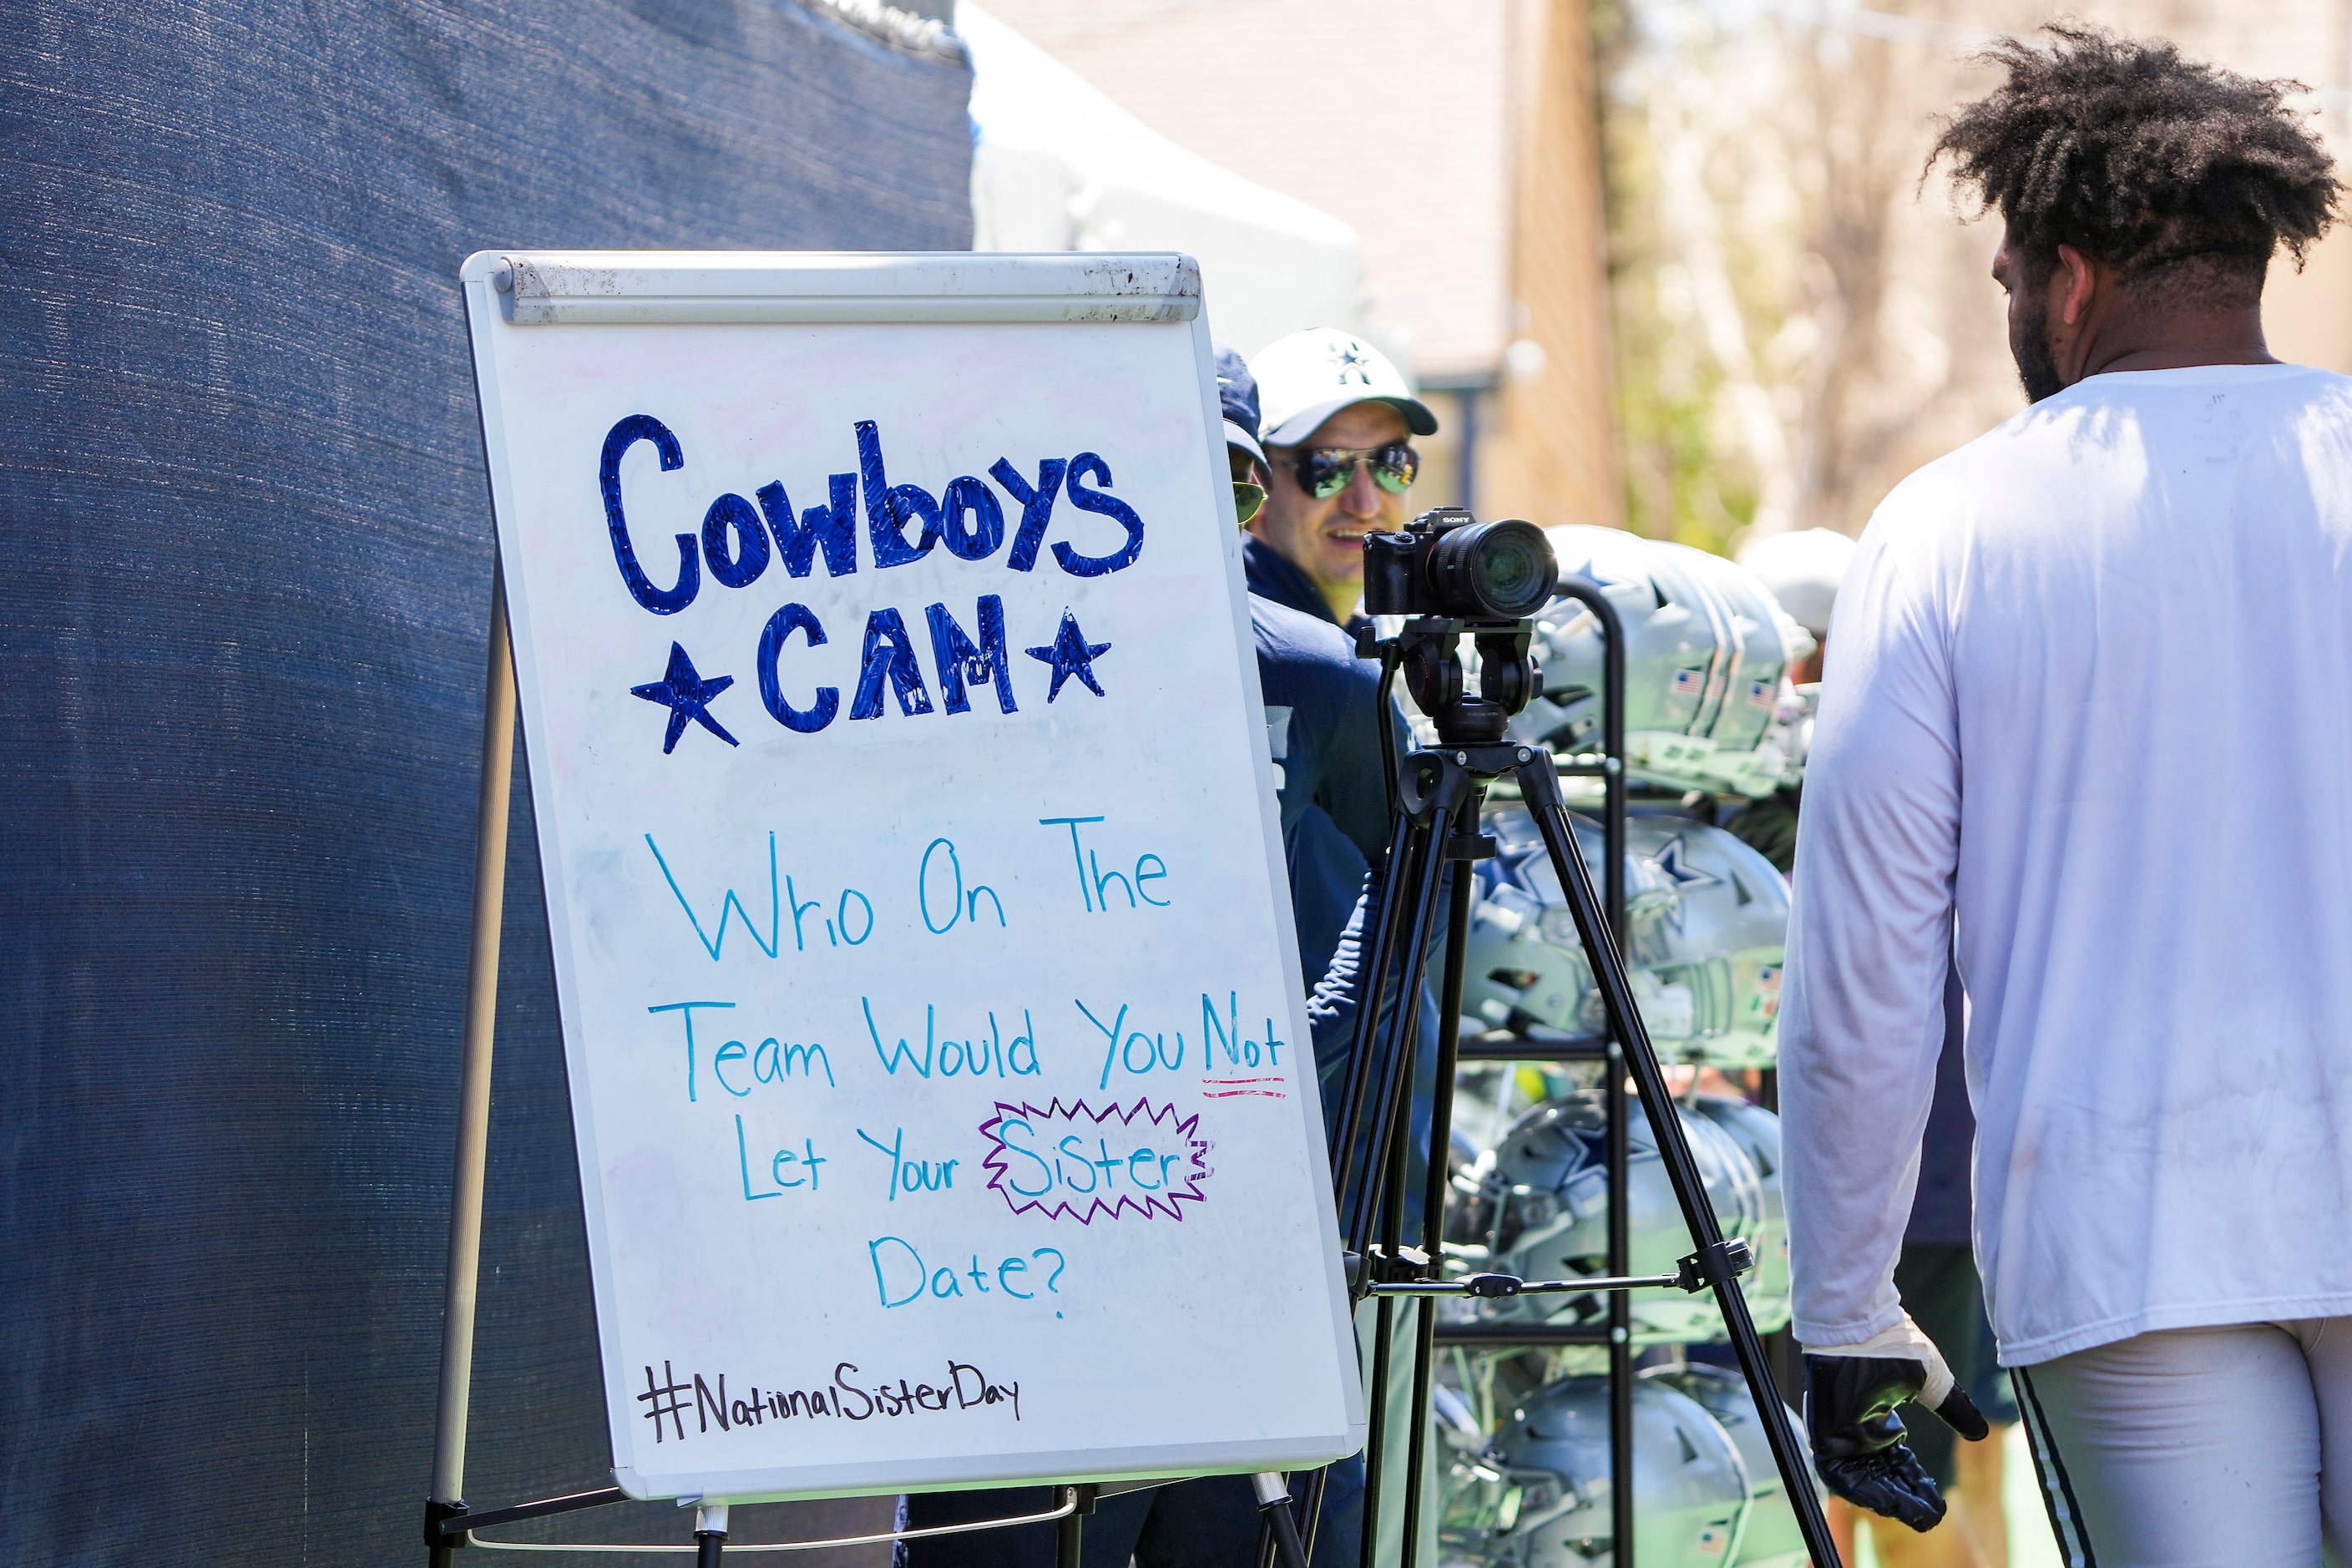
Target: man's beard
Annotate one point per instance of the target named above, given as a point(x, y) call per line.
point(2037, 368)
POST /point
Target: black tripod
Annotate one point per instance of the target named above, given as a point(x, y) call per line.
point(1437, 796)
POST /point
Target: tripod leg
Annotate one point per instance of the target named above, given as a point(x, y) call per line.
point(1540, 788)
point(1310, 1510)
point(1347, 1152)
point(1386, 1216)
point(1433, 1214)
point(1416, 1453)
point(1358, 1163)
point(1395, 1053)
point(1447, 794)
point(1449, 1045)
point(1399, 1062)
point(1351, 1152)
point(1376, 1429)
point(1272, 1490)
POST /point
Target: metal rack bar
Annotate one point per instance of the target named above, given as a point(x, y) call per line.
point(1612, 904)
point(1617, 1334)
point(1514, 1335)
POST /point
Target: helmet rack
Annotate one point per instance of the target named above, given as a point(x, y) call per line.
point(1436, 795)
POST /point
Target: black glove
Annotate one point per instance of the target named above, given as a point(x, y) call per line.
point(1851, 1392)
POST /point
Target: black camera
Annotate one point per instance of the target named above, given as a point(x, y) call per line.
point(1446, 562)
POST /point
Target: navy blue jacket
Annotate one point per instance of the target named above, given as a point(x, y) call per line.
point(1322, 718)
point(1322, 708)
point(1272, 575)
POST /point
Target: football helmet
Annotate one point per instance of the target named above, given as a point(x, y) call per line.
point(1746, 758)
point(1716, 950)
point(1690, 1485)
point(1769, 1537)
point(1539, 1205)
point(1524, 958)
point(1707, 654)
point(1674, 653)
point(1707, 926)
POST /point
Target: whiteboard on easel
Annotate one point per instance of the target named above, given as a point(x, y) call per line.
point(938, 1063)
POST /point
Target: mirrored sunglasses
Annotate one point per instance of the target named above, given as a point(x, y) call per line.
point(1324, 471)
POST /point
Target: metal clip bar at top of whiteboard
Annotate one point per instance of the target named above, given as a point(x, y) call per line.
point(564, 287)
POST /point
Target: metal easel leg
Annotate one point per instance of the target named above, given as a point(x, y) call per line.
point(474, 1082)
point(1069, 1541)
point(709, 1534)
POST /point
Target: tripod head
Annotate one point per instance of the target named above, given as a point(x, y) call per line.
point(1453, 574)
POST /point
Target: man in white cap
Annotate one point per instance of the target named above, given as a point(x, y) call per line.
point(1338, 422)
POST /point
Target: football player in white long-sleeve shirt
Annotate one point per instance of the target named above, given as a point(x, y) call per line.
point(2089, 717)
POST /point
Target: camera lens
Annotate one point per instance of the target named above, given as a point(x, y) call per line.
point(1493, 571)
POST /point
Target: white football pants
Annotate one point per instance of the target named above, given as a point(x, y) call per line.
point(2199, 1447)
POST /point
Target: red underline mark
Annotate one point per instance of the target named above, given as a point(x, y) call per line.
point(1231, 1093)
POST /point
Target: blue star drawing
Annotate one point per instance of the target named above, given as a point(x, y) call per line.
point(689, 697)
point(1070, 654)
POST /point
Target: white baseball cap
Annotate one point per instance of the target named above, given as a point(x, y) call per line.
point(1307, 377)
point(1802, 569)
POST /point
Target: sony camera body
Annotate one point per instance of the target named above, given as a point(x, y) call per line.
point(1449, 573)
point(1446, 562)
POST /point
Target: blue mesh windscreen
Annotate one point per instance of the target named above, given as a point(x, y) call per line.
point(243, 604)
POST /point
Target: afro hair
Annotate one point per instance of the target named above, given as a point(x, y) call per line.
point(2140, 158)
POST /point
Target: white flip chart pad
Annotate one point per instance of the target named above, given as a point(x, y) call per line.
point(938, 1067)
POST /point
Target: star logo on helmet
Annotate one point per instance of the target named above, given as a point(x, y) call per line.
point(1679, 871)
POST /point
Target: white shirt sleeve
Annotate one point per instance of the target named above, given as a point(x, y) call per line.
point(1862, 1020)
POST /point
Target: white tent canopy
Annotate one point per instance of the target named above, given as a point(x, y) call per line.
point(1058, 166)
